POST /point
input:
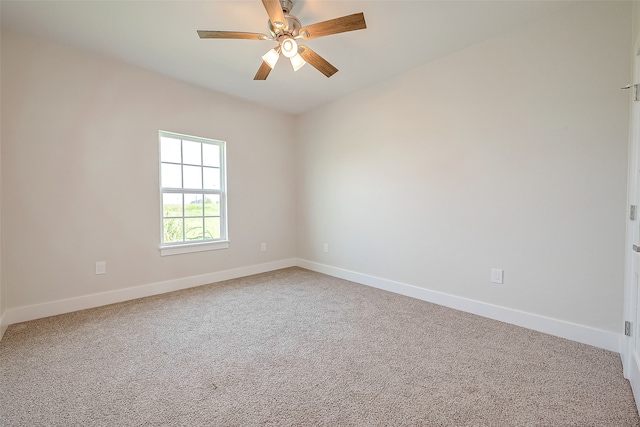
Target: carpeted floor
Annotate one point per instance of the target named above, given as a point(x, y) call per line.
point(294, 347)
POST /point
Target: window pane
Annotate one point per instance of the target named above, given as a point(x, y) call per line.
point(212, 228)
point(191, 167)
point(211, 178)
point(193, 205)
point(171, 204)
point(192, 176)
point(211, 155)
point(170, 150)
point(212, 205)
point(173, 230)
point(171, 176)
point(191, 152)
point(193, 228)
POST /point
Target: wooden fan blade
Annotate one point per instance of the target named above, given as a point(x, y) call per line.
point(318, 62)
point(276, 15)
point(334, 26)
point(231, 35)
point(263, 71)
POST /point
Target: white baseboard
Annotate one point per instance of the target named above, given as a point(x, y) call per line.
point(583, 334)
point(3, 326)
point(53, 308)
point(572, 331)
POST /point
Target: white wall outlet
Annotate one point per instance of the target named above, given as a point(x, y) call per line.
point(497, 275)
point(326, 247)
point(263, 247)
point(101, 267)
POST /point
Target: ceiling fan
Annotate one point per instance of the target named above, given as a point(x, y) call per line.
point(285, 29)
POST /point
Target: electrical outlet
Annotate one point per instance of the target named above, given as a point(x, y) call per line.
point(101, 267)
point(263, 247)
point(326, 247)
point(497, 275)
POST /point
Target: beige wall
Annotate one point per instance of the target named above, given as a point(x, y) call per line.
point(636, 20)
point(509, 154)
point(2, 290)
point(80, 173)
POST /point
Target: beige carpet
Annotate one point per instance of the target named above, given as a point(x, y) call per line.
point(293, 347)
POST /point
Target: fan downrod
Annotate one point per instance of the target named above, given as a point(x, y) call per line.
point(287, 5)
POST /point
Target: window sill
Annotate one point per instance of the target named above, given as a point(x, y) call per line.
point(193, 247)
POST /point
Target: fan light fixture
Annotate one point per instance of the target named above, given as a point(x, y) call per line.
point(289, 47)
point(271, 58)
point(286, 30)
point(290, 50)
point(297, 62)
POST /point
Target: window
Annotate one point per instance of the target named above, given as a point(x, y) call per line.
point(192, 194)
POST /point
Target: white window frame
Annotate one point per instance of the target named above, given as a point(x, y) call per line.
point(174, 248)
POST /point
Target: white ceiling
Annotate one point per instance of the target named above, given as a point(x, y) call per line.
point(161, 36)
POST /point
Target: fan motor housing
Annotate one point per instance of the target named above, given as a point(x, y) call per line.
point(292, 27)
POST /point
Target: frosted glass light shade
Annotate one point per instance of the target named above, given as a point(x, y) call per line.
point(297, 62)
point(289, 47)
point(271, 58)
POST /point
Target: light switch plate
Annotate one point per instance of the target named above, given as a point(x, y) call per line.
point(497, 275)
point(101, 267)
